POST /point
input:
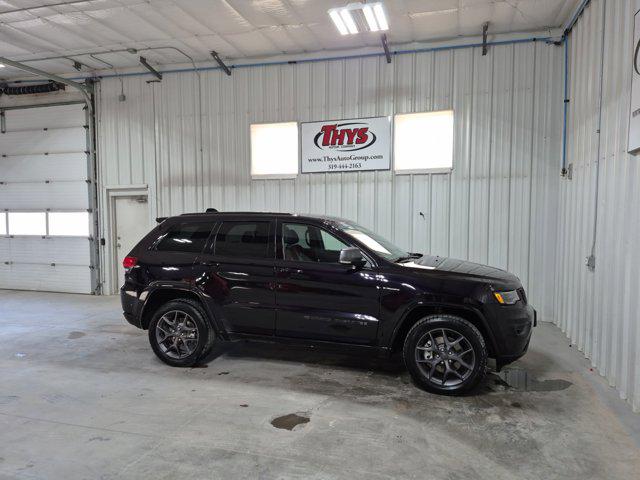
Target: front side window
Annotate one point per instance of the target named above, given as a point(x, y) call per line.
point(243, 240)
point(308, 243)
point(185, 237)
point(375, 242)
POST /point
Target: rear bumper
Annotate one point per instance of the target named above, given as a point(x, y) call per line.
point(512, 327)
point(130, 306)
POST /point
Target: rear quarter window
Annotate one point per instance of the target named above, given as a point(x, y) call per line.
point(185, 237)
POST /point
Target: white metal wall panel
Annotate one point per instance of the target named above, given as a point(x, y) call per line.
point(508, 115)
point(599, 309)
point(44, 167)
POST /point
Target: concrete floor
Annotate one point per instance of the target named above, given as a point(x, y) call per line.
point(82, 396)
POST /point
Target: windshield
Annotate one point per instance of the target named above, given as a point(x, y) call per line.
point(375, 242)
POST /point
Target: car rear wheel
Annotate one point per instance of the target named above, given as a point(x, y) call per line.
point(445, 354)
point(180, 334)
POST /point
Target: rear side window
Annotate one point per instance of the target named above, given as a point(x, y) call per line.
point(185, 237)
point(243, 240)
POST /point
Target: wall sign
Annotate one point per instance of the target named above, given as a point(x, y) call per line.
point(634, 110)
point(356, 144)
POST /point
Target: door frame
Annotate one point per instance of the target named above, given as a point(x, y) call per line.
point(109, 245)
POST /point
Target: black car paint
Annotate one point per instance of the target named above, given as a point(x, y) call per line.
point(329, 303)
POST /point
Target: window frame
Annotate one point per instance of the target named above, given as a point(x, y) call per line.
point(435, 170)
point(274, 176)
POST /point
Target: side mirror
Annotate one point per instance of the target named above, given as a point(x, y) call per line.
point(352, 256)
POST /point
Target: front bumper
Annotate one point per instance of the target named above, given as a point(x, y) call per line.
point(512, 326)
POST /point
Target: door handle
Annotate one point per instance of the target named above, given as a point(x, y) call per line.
point(210, 264)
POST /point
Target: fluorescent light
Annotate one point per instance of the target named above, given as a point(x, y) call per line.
point(348, 20)
point(1, 65)
point(380, 16)
point(371, 18)
point(335, 16)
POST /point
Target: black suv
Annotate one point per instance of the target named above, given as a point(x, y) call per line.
point(197, 278)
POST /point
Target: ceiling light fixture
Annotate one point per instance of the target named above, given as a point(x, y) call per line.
point(381, 17)
point(359, 17)
point(1, 65)
point(371, 18)
point(335, 16)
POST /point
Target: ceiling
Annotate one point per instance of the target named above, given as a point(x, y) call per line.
point(237, 29)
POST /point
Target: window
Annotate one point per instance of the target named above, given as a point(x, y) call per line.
point(423, 142)
point(274, 149)
point(243, 240)
point(27, 223)
point(74, 224)
point(375, 242)
point(307, 243)
point(185, 237)
point(3, 223)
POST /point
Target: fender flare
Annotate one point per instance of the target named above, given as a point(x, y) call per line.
point(444, 305)
point(211, 318)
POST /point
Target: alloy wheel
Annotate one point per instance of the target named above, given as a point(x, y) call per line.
point(445, 357)
point(177, 334)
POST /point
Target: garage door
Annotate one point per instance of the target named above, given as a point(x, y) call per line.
point(45, 223)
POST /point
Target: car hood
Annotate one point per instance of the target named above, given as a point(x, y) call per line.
point(460, 267)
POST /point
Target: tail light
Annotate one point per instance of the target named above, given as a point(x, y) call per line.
point(129, 262)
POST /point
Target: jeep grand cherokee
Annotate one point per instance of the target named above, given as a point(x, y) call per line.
point(196, 279)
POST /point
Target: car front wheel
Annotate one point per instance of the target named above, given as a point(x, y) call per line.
point(445, 354)
point(180, 334)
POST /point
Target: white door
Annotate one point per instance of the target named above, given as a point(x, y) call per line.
point(132, 223)
point(47, 236)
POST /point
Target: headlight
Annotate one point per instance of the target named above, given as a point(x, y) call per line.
point(507, 298)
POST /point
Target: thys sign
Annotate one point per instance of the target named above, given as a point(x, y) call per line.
point(357, 144)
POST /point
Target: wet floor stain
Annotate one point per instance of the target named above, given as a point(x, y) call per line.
point(521, 381)
point(74, 335)
point(223, 373)
point(244, 405)
point(289, 421)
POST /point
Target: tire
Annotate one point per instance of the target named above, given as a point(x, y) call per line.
point(457, 363)
point(190, 340)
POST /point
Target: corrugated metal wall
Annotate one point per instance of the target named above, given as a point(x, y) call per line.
point(499, 206)
point(599, 309)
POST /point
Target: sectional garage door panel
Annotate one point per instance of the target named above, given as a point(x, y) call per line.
point(58, 278)
point(42, 196)
point(57, 140)
point(60, 116)
point(57, 166)
point(43, 167)
point(72, 251)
